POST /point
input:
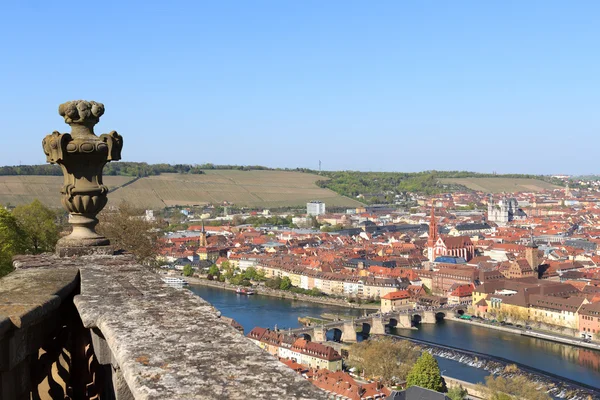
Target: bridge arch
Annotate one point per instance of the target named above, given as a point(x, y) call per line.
point(439, 316)
point(416, 319)
point(365, 328)
point(334, 334)
point(393, 323)
point(305, 336)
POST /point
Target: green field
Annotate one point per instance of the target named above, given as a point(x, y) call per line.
point(499, 185)
point(242, 188)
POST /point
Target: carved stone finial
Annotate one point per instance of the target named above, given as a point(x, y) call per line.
point(82, 156)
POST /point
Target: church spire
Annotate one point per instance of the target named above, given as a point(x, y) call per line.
point(203, 236)
point(433, 231)
point(433, 235)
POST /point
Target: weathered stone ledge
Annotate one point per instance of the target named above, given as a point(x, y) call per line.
point(163, 343)
point(31, 304)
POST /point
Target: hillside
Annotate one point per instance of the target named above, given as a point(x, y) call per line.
point(498, 185)
point(23, 189)
point(243, 188)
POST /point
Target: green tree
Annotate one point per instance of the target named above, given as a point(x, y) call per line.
point(214, 270)
point(260, 276)
point(386, 359)
point(515, 387)
point(250, 273)
point(188, 270)
point(426, 373)
point(273, 283)
point(39, 224)
point(12, 240)
point(286, 283)
point(225, 265)
point(457, 393)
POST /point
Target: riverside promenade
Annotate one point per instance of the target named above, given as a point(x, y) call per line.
point(282, 294)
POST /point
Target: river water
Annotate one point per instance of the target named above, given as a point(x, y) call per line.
point(577, 364)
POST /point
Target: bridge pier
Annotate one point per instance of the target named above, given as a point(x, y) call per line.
point(348, 331)
point(404, 321)
point(319, 334)
point(377, 326)
point(428, 317)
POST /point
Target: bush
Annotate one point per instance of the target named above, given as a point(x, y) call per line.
point(188, 270)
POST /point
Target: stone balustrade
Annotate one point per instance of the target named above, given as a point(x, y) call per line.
point(104, 327)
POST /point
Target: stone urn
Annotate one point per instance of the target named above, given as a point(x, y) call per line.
point(82, 156)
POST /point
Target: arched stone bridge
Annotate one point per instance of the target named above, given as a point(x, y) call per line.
point(375, 324)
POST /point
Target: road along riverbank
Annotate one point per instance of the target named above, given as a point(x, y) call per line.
point(282, 294)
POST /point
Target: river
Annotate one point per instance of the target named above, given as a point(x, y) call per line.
point(578, 364)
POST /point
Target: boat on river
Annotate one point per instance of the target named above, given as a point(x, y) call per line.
point(244, 291)
point(174, 281)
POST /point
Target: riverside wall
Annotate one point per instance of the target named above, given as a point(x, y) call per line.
point(472, 389)
point(545, 335)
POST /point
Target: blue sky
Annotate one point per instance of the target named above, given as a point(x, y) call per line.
point(383, 86)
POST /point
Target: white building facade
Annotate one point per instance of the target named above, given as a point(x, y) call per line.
point(315, 208)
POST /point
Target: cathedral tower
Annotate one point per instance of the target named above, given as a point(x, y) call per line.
point(433, 235)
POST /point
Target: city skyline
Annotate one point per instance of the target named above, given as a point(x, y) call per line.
point(506, 88)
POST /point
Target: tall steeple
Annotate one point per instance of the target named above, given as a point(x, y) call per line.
point(531, 253)
point(433, 235)
point(203, 236)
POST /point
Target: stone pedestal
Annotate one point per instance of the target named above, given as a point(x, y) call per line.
point(82, 156)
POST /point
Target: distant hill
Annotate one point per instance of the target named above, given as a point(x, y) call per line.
point(261, 188)
point(161, 185)
point(381, 187)
point(499, 185)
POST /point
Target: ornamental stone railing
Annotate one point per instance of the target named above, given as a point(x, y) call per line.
point(87, 323)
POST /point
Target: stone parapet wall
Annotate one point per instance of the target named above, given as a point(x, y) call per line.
point(145, 339)
point(37, 323)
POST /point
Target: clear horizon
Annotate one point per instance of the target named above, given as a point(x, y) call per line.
point(510, 87)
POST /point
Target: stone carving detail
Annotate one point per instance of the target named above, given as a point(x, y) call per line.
point(82, 156)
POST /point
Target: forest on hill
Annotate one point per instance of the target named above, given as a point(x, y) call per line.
point(375, 187)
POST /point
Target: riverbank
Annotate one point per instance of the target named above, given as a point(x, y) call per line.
point(570, 362)
point(556, 386)
point(282, 294)
point(531, 333)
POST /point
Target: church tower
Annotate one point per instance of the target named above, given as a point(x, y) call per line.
point(433, 235)
point(531, 254)
point(567, 190)
point(203, 242)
